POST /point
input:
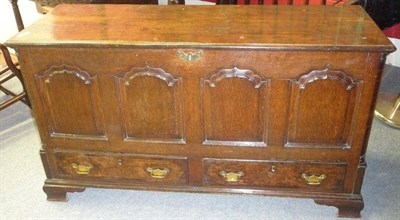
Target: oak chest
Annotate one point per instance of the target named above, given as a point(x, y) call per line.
point(225, 99)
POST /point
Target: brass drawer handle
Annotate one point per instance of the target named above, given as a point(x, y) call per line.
point(231, 176)
point(190, 57)
point(313, 179)
point(82, 169)
point(158, 173)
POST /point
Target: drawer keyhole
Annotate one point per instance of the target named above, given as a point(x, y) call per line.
point(120, 162)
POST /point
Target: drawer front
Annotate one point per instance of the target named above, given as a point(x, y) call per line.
point(277, 174)
point(111, 167)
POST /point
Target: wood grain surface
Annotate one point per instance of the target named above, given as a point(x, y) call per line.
point(299, 27)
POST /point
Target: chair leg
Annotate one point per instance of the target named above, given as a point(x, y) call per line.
point(17, 15)
point(14, 72)
point(9, 102)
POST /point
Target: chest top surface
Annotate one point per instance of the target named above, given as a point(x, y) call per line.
point(273, 27)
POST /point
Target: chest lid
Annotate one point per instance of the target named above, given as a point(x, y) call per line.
point(222, 26)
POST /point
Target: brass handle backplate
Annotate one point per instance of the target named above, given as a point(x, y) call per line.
point(313, 179)
point(190, 57)
point(158, 173)
point(231, 176)
point(82, 169)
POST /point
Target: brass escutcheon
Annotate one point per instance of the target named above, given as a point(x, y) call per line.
point(82, 169)
point(190, 57)
point(158, 173)
point(231, 176)
point(313, 179)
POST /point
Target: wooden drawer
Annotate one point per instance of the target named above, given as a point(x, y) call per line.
point(323, 176)
point(111, 167)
